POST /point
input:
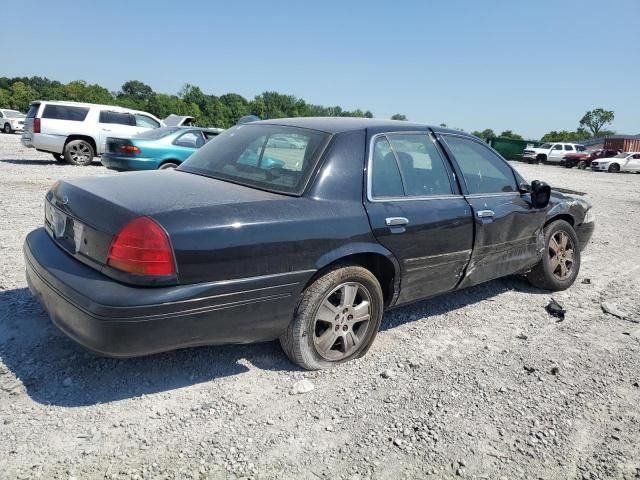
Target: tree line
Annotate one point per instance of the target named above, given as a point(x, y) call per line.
point(209, 110)
point(590, 125)
point(224, 111)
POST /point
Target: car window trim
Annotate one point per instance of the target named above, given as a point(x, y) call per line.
point(466, 191)
point(430, 136)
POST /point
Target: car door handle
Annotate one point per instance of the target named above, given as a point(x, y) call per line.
point(396, 221)
point(486, 213)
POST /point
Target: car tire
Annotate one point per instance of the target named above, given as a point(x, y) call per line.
point(541, 159)
point(7, 128)
point(613, 168)
point(58, 157)
point(79, 152)
point(582, 165)
point(325, 330)
point(168, 166)
point(560, 263)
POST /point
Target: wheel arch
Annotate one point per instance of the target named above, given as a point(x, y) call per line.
point(567, 217)
point(373, 257)
point(86, 138)
point(169, 160)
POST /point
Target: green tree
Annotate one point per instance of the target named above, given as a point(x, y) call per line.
point(79, 91)
point(399, 116)
point(138, 92)
point(236, 107)
point(484, 134)
point(5, 97)
point(510, 134)
point(565, 136)
point(597, 118)
point(21, 96)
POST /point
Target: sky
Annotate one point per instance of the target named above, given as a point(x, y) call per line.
point(524, 65)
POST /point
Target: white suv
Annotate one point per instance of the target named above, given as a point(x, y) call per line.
point(11, 120)
point(551, 152)
point(77, 132)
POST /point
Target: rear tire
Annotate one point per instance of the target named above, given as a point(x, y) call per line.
point(582, 165)
point(7, 128)
point(168, 166)
point(79, 152)
point(336, 320)
point(613, 168)
point(560, 263)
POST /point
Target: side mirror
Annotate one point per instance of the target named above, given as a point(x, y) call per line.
point(540, 194)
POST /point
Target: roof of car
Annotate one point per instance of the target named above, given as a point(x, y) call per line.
point(345, 124)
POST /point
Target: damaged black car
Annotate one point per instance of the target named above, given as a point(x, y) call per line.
point(305, 230)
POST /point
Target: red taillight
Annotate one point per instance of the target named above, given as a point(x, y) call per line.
point(129, 149)
point(36, 125)
point(142, 248)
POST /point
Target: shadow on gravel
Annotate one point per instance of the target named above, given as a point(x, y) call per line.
point(452, 301)
point(48, 162)
point(56, 371)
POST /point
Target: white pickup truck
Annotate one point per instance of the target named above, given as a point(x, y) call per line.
point(551, 152)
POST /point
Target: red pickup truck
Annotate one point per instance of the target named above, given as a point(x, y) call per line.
point(583, 160)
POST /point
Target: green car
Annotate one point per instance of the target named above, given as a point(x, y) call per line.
point(165, 147)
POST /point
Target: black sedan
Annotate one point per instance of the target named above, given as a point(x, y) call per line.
point(355, 217)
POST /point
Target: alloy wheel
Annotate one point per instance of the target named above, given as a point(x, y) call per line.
point(80, 153)
point(561, 255)
point(343, 321)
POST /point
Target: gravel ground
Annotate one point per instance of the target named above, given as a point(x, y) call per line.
point(481, 383)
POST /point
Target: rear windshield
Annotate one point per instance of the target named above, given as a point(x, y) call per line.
point(157, 133)
point(270, 157)
point(65, 112)
point(33, 110)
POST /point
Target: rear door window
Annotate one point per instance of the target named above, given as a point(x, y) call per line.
point(386, 181)
point(483, 170)
point(117, 118)
point(568, 148)
point(65, 112)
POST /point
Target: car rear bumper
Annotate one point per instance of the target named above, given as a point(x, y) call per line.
point(117, 320)
point(117, 162)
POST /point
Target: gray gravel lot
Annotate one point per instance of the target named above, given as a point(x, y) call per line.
point(481, 383)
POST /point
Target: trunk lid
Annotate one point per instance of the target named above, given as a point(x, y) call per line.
point(84, 215)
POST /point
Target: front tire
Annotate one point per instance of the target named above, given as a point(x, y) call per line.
point(58, 157)
point(560, 263)
point(582, 165)
point(613, 168)
point(7, 128)
point(79, 152)
point(336, 320)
